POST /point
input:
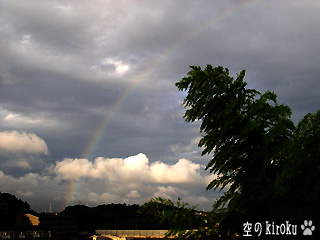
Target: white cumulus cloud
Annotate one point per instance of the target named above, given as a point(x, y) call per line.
point(22, 142)
point(129, 170)
point(131, 180)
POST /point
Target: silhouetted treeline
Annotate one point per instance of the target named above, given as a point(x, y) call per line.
point(10, 207)
point(87, 219)
point(110, 216)
point(76, 219)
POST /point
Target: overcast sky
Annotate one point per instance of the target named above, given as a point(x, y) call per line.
point(88, 107)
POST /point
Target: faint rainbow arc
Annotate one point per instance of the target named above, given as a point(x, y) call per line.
point(103, 126)
point(142, 77)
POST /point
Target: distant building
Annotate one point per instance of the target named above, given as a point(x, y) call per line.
point(3, 212)
point(25, 234)
point(33, 219)
point(129, 234)
point(26, 227)
point(44, 226)
point(3, 208)
point(27, 220)
point(60, 226)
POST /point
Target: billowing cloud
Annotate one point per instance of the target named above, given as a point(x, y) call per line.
point(22, 142)
point(132, 169)
point(131, 180)
point(184, 171)
point(22, 150)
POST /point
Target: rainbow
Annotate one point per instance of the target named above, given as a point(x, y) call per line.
point(141, 78)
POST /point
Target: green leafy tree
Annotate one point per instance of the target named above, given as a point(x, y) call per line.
point(298, 184)
point(268, 167)
point(249, 135)
point(180, 219)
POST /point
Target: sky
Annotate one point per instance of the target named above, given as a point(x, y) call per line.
point(89, 113)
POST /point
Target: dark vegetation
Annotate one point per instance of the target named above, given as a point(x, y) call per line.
point(268, 166)
point(111, 216)
point(86, 219)
point(10, 207)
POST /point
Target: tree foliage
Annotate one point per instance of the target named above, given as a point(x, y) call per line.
point(258, 155)
point(298, 184)
point(182, 221)
point(107, 216)
point(10, 207)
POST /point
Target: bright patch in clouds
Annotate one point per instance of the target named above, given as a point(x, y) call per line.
point(26, 39)
point(133, 194)
point(40, 120)
point(120, 67)
point(15, 118)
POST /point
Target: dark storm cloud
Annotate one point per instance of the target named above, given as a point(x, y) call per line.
point(103, 72)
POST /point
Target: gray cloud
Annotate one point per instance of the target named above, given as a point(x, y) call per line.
point(102, 74)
